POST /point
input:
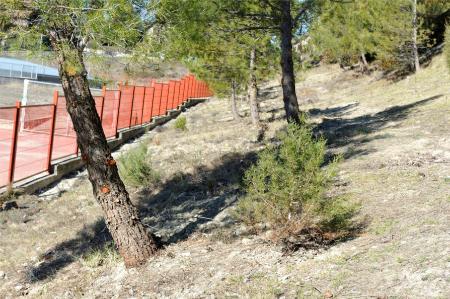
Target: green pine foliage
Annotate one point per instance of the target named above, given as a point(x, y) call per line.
point(286, 188)
point(345, 31)
point(383, 29)
point(135, 167)
point(202, 35)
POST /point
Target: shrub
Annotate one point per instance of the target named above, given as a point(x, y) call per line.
point(286, 187)
point(135, 167)
point(180, 123)
point(102, 256)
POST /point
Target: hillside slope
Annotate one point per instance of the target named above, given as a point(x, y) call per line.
point(396, 144)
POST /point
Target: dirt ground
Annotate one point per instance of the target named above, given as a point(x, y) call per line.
point(396, 146)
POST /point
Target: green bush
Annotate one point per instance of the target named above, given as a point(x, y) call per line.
point(135, 167)
point(180, 123)
point(102, 256)
point(286, 187)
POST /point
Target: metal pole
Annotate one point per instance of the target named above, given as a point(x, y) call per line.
point(52, 133)
point(132, 104)
point(13, 153)
point(118, 109)
point(151, 104)
point(178, 84)
point(143, 105)
point(103, 104)
point(160, 99)
point(173, 94)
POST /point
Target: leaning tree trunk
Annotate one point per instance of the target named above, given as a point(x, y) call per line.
point(234, 109)
point(253, 89)
point(135, 245)
point(287, 64)
point(414, 37)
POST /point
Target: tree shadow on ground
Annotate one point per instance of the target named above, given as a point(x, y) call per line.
point(269, 93)
point(278, 113)
point(342, 131)
point(186, 201)
point(176, 211)
point(333, 111)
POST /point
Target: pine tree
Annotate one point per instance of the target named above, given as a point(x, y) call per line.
point(279, 20)
point(347, 32)
point(200, 34)
point(392, 32)
point(70, 25)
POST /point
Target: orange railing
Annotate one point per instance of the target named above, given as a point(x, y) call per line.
point(33, 137)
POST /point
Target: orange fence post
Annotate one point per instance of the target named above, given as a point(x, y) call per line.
point(143, 104)
point(52, 132)
point(171, 94)
point(177, 94)
point(180, 93)
point(186, 91)
point(165, 86)
point(13, 152)
point(151, 104)
point(118, 109)
point(193, 86)
point(191, 94)
point(189, 91)
point(160, 99)
point(182, 87)
point(103, 103)
point(132, 104)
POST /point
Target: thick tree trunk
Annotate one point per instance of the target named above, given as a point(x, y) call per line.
point(130, 236)
point(287, 64)
point(414, 37)
point(234, 109)
point(253, 89)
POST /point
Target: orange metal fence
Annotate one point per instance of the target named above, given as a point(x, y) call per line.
point(32, 137)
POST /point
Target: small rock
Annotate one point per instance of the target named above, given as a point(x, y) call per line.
point(268, 234)
point(246, 241)
point(187, 253)
point(328, 294)
point(18, 287)
point(2, 275)
point(8, 205)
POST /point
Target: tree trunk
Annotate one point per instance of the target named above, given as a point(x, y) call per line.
point(364, 64)
point(253, 89)
point(234, 109)
point(414, 37)
point(287, 64)
point(135, 245)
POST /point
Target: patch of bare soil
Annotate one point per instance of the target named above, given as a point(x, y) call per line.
point(395, 141)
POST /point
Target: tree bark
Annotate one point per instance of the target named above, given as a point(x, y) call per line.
point(134, 243)
point(253, 89)
point(287, 64)
point(364, 64)
point(414, 37)
point(234, 109)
